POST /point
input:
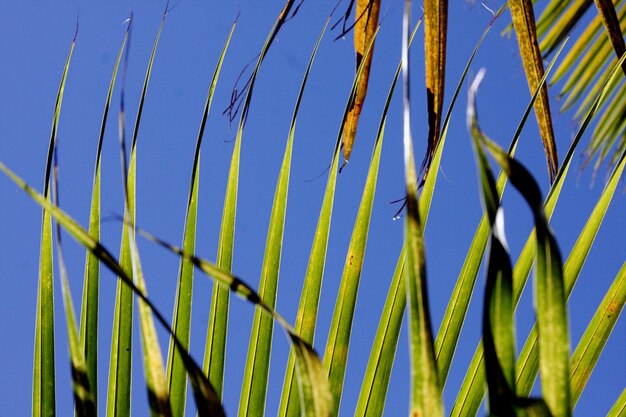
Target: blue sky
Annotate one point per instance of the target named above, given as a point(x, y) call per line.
point(35, 40)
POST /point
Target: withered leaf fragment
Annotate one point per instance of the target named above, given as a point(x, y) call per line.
point(435, 35)
point(526, 32)
point(366, 22)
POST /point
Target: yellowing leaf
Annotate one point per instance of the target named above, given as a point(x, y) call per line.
point(364, 29)
point(435, 31)
point(525, 30)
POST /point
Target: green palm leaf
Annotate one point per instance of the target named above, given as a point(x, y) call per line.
point(597, 333)
point(176, 374)
point(44, 401)
point(425, 389)
point(207, 400)
point(89, 308)
point(120, 363)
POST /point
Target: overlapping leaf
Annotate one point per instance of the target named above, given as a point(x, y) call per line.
point(120, 362)
point(207, 402)
point(425, 389)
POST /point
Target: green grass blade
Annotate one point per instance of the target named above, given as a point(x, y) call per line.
point(207, 400)
point(425, 389)
point(596, 335)
point(120, 363)
point(44, 397)
point(527, 366)
point(619, 408)
point(259, 349)
point(176, 374)
point(89, 308)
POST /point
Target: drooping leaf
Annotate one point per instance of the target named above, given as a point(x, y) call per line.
point(524, 24)
point(472, 389)
point(550, 300)
point(312, 382)
point(527, 366)
point(498, 323)
point(366, 23)
point(207, 401)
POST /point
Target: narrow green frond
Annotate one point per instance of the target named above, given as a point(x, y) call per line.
point(176, 374)
point(527, 366)
point(207, 401)
point(289, 397)
point(558, 23)
point(550, 300)
point(89, 308)
point(214, 356)
point(472, 389)
point(619, 408)
point(84, 394)
point(337, 343)
point(120, 362)
point(44, 396)
point(596, 335)
point(425, 390)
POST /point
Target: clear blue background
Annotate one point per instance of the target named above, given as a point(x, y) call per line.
point(34, 41)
